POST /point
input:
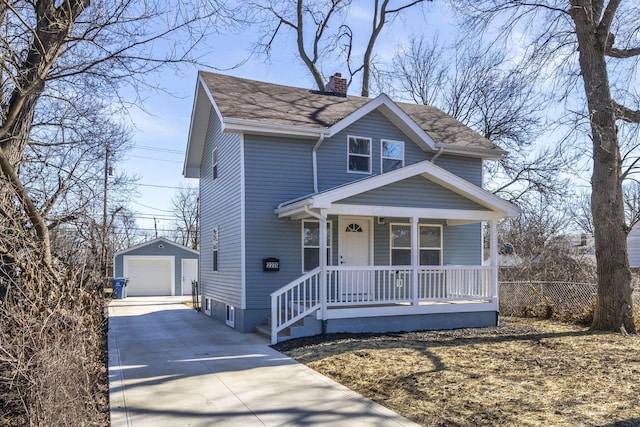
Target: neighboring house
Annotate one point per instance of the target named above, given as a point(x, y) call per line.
point(633, 246)
point(576, 244)
point(157, 267)
point(330, 213)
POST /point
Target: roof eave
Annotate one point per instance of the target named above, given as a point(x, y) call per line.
point(156, 240)
point(234, 125)
point(203, 103)
point(484, 153)
point(393, 113)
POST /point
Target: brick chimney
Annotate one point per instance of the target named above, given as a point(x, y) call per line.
point(336, 85)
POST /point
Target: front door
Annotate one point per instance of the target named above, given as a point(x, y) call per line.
point(354, 241)
point(189, 274)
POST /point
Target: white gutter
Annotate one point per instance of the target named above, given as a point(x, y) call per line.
point(315, 162)
point(433, 159)
point(233, 125)
point(485, 153)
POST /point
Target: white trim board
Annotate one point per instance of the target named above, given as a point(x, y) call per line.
point(156, 240)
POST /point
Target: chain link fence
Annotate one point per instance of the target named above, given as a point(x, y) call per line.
point(561, 300)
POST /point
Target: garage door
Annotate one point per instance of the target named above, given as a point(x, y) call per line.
point(149, 275)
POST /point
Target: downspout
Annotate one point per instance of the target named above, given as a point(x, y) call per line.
point(315, 162)
point(433, 159)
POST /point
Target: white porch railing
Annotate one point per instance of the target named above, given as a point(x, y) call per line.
point(377, 285)
point(368, 285)
point(295, 301)
point(348, 286)
point(454, 283)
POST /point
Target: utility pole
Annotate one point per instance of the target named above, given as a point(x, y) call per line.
point(155, 226)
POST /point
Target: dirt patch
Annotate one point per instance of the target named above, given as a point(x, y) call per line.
point(525, 372)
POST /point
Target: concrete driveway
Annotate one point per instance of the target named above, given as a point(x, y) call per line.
point(172, 366)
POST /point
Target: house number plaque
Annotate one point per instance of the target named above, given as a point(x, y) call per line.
point(270, 264)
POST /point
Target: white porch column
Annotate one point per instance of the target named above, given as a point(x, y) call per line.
point(493, 251)
point(323, 264)
point(415, 260)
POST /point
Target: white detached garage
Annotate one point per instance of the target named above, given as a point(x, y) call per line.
point(157, 267)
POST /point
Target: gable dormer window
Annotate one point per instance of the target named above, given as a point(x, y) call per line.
point(359, 154)
point(392, 155)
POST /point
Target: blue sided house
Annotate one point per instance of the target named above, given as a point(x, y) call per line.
point(322, 212)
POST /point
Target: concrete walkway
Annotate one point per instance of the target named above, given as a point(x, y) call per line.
point(172, 366)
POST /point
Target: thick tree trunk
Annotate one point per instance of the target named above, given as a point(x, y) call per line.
point(614, 307)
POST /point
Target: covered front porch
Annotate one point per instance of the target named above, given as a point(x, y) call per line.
point(337, 292)
point(394, 255)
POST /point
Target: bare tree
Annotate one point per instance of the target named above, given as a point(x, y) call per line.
point(48, 46)
point(186, 206)
point(631, 193)
point(541, 249)
point(64, 62)
point(594, 36)
point(481, 88)
point(579, 207)
point(419, 72)
point(298, 15)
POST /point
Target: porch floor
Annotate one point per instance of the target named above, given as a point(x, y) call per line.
point(401, 304)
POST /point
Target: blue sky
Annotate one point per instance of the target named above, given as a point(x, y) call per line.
point(160, 133)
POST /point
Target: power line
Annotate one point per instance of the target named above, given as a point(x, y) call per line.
point(166, 186)
point(158, 217)
point(165, 230)
point(151, 207)
point(160, 150)
point(158, 160)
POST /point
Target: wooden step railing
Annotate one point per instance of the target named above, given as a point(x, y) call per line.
point(295, 301)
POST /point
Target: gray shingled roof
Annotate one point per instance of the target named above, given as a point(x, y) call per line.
point(256, 101)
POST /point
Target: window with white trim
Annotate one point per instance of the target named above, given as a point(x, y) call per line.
point(392, 155)
point(311, 244)
point(215, 248)
point(359, 154)
point(400, 244)
point(430, 242)
point(214, 163)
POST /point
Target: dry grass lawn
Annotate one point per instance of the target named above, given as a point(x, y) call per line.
point(525, 372)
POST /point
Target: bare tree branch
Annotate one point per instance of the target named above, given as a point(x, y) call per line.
point(604, 26)
point(627, 114)
point(623, 53)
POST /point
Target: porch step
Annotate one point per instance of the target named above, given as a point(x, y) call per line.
point(263, 330)
point(305, 327)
